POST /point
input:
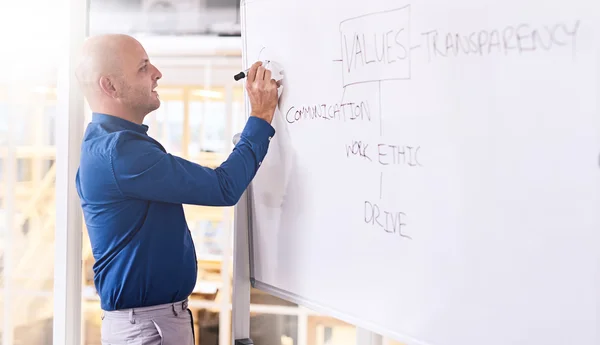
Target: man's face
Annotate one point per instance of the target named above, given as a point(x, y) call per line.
point(138, 80)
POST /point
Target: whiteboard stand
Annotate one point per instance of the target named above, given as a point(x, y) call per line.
point(240, 303)
point(366, 337)
point(241, 275)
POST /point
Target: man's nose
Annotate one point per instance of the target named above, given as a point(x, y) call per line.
point(157, 74)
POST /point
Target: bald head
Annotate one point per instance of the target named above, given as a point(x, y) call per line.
point(116, 76)
point(100, 56)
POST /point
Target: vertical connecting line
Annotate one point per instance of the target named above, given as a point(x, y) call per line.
point(380, 112)
point(343, 96)
point(342, 64)
point(381, 185)
point(410, 50)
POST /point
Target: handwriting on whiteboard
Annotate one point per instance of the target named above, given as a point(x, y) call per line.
point(379, 47)
point(375, 47)
point(365, 49)
point(517, 39)
point(389, 221)
point(385, 154)
point(338, 111)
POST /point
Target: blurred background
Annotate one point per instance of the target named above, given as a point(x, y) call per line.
point(196, 45)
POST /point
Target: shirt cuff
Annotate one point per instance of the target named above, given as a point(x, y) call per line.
point(258, 131)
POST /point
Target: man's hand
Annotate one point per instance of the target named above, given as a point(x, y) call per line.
point(262, 91)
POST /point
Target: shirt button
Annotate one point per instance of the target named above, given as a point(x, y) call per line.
point(259, 163)
point(270, 138)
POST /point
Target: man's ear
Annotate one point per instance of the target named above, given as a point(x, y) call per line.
point(108, 86)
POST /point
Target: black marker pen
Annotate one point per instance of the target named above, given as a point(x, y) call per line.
point(244, 74)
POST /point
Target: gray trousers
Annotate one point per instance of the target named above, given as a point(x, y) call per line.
point(166, 324)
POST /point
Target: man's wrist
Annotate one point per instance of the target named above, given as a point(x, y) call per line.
point(262, 114)
point(258, 129)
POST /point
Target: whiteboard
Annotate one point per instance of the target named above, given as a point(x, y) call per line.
point(435, 175)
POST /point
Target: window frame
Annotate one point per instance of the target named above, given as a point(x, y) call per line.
point(67, 321)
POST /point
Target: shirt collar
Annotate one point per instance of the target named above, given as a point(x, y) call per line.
point(119, 122)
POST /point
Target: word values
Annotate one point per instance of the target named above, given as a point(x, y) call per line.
point(376, 47)
point(381, 47)
point(391, 222)
point(384, 154)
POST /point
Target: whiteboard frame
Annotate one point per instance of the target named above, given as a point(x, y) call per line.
point(244, 277)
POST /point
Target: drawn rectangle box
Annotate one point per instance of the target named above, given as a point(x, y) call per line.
point(376, 46)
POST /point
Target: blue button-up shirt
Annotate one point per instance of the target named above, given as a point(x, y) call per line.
point(132, 192)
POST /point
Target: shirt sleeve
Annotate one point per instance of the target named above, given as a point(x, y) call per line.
point(143, 170)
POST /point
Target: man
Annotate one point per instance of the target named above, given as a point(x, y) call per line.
point(132, 192)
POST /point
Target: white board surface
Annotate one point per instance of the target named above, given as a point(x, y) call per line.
point(435, 173)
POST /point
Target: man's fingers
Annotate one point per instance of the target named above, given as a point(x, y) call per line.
point(260, 73)
point(267, 75)
point(253, 70)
